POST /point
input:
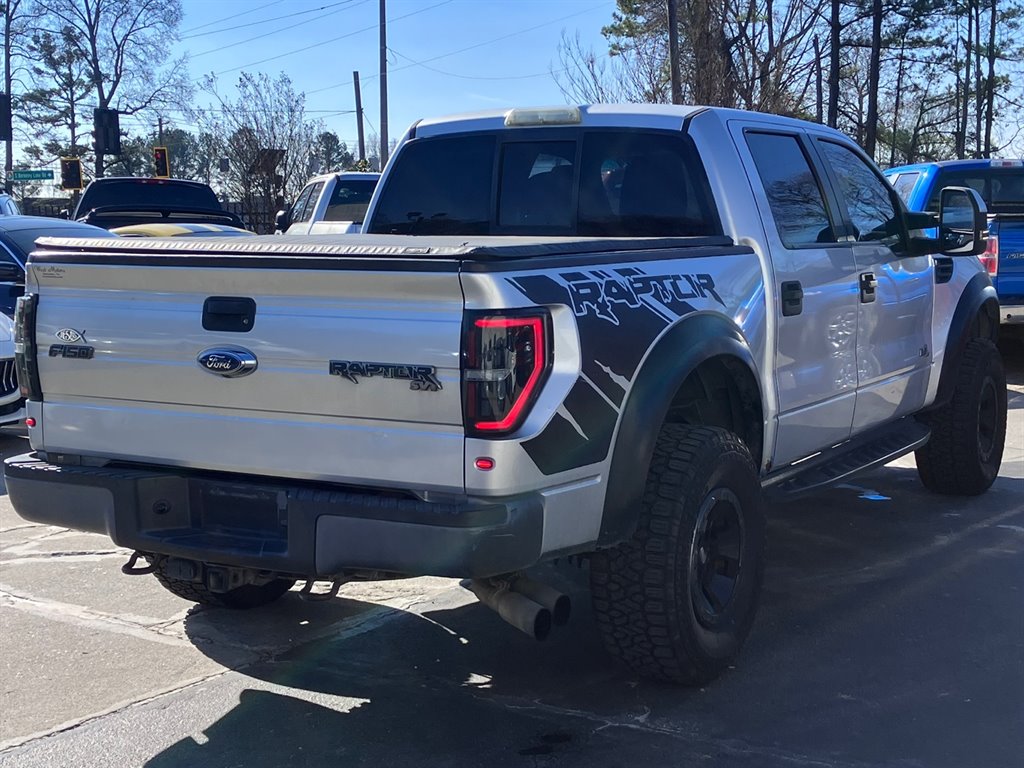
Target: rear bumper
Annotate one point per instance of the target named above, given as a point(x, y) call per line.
point(301, 529)
point(1011, 314)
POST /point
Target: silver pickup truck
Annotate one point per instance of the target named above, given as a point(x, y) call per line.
point(606, 332)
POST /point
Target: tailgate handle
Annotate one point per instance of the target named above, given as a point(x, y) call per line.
point(229, 313)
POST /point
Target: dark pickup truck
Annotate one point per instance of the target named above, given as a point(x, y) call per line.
point(119, 201)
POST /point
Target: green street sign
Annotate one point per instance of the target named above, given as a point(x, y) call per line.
point(31, 175)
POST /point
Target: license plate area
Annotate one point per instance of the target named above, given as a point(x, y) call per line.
point(238, 510)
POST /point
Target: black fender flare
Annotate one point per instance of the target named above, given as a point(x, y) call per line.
point(675, 355)
point(977, 295)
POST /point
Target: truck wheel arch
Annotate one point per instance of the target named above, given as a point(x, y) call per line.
point(709, 355)
point(976, 316)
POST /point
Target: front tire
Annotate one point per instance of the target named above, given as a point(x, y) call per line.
point(963, 455)
point(677, 600)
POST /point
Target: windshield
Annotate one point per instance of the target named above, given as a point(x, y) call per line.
point(147, 192)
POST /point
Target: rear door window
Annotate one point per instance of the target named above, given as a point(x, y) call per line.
point(794, 191)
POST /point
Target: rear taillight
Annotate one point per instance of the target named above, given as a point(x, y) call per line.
point(506, 358)
point(25, 347)
point(990, 258)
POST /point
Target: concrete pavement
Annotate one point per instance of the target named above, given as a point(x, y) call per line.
point(891, 632)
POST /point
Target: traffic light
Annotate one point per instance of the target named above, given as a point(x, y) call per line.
point(71, 173)
point(6, 129)
point(106, 131)
point(162, 162)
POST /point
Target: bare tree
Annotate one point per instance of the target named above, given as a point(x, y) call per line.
point(17, 21)
point(125, 45)
point(265, 137)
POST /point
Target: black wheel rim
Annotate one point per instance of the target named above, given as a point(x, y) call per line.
point(716, 560)
point(988, 419)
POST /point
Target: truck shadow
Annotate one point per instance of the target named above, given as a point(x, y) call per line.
point(830, 657)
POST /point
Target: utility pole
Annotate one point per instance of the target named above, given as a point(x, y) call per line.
point(160, 131)
point(359, 116)
point(673, 52)
point(383, 87)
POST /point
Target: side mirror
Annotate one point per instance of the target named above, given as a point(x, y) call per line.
point(283, 220)
point(963, 222)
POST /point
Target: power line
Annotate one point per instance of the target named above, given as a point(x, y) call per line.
point(347, 4)
point(332, 40)
point(413, 62)
point(228, 18)
point(467, 48)
point(233, 27)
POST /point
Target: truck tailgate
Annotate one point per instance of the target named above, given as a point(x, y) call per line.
point(356, 378)
point(1010, 280)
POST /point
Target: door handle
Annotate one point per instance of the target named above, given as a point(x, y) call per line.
point(792, 295)
point(229, 313)
point(868, 284)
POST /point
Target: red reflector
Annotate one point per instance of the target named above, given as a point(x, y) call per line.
point(484, 463)
point(990, 258)
point(30, 422)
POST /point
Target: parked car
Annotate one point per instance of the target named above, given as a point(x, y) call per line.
point(334, 203)
point(12, 404)
point(181, 230)
point(1001, 185)
point(7, 206)
point(17, 239)
point(119, 201)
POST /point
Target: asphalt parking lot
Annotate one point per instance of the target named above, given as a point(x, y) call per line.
point(891, 633)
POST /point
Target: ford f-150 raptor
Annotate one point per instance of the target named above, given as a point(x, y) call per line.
point(605, 331)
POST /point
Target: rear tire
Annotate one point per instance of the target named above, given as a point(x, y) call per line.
point(963, 455)
point(239, 598)
point(678, 599)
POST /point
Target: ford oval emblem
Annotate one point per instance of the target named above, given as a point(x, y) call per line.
point(229, 362)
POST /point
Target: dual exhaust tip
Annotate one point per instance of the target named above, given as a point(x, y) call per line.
point(528, 605)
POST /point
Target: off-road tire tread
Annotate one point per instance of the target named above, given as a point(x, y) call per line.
point(241, 598)
point(633, 585)
point(942, 463)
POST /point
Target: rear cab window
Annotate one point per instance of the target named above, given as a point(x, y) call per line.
point(144, 192)
point(1002, 189)
point(350, 199)
point(552, 182)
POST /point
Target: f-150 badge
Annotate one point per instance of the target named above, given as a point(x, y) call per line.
point(421, 378)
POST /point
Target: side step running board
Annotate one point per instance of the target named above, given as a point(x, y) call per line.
point(867, 451)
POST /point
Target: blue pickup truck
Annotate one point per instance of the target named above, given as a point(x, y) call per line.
point(1001, 184)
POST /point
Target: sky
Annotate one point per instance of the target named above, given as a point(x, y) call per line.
point(444, 56)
